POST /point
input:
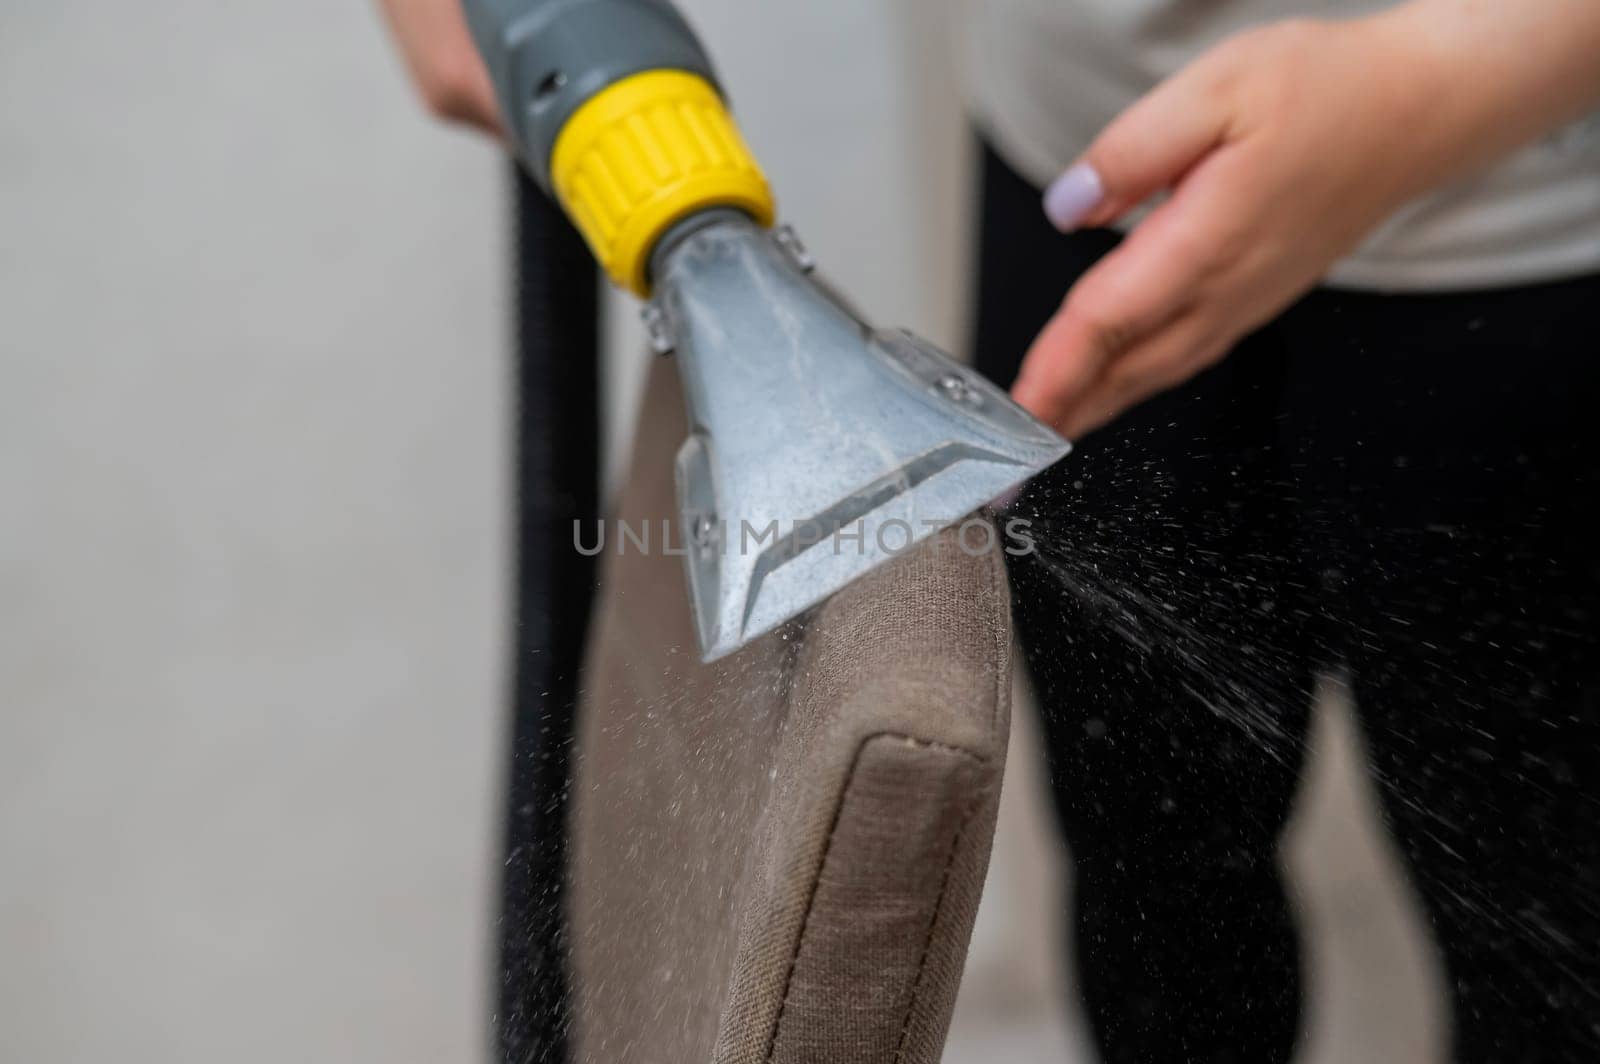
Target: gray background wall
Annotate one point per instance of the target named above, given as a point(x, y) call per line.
point(253, 532)
point(252, 541)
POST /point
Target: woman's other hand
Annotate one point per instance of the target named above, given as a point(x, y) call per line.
point(443, 61)
point(1282, 148)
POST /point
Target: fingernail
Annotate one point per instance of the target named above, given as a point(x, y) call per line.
point(1070, 197)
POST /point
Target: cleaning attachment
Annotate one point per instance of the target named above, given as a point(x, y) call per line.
point(819, 446)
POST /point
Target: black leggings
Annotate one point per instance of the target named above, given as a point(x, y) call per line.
point(1402, 486)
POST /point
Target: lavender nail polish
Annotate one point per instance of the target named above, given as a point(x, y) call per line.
point(1071, 197)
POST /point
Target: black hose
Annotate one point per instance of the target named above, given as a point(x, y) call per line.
point(557, 471)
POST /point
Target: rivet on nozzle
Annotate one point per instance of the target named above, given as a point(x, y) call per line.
point(655, 324)
point(790, 242)
point(957, 390)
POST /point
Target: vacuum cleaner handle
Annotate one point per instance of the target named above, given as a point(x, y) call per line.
point(612, 105)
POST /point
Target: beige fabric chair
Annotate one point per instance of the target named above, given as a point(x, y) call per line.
point(777, 858)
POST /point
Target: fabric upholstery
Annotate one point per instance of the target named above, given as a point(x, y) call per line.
point(778, 857)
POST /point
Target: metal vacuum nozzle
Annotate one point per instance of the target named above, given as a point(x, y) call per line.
point(819, 447)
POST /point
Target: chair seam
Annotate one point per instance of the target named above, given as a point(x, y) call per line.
point(927, 942)
point(822, 862)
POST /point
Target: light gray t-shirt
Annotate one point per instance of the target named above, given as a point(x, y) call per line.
point(1044, 76)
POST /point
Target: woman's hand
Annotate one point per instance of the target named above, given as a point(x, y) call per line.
point(1282, 148)
point(444, 63)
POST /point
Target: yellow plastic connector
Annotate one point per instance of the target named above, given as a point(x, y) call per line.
point(644, 153)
